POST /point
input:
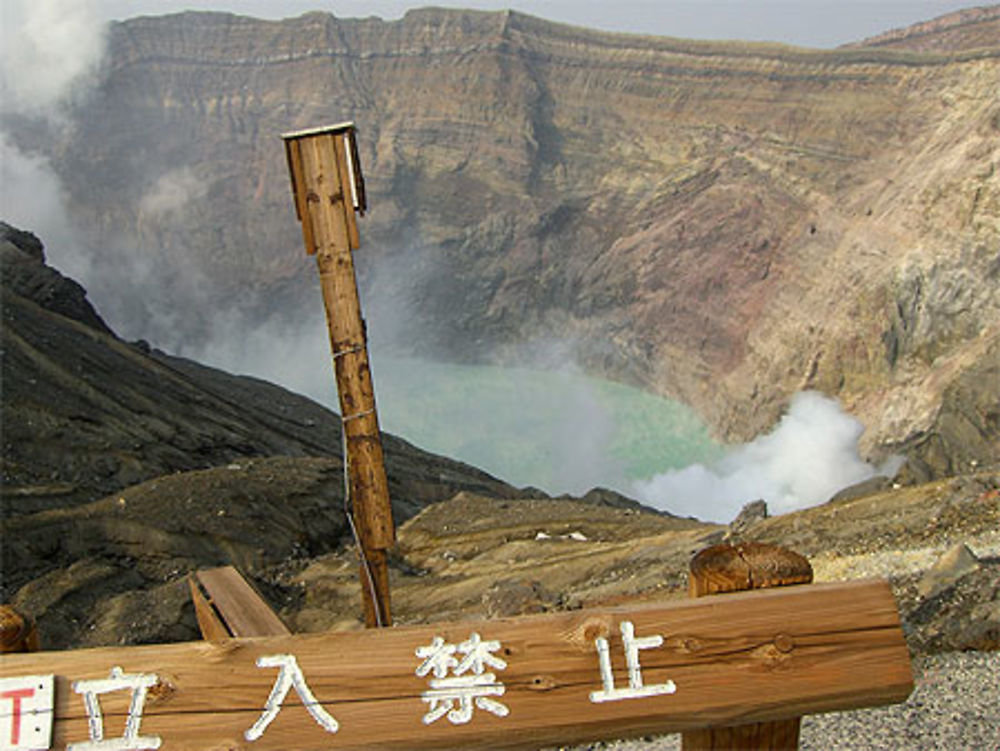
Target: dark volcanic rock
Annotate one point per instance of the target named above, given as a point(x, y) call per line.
point(73, 569)
point(86, 414)
point(750, 514)
point(22, 263)
point(951, 567)
point(860, 489)
point(962, 615)
point(510, 597)
point(609, 498)
point(124, 469)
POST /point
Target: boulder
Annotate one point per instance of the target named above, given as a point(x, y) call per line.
point(750, 514)
point(951, 567)
point(510, 597)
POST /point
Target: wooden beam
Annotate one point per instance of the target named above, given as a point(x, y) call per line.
point(347, 181)
point(210, 623)
point(232, 605)
point(294, 154)
point(747, 657)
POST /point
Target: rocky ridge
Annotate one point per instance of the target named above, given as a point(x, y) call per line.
point(479, 557)
point(973, 28)
point(125, 468)
point(723, 223)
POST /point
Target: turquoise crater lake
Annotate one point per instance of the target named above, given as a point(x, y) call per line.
point(559, 431)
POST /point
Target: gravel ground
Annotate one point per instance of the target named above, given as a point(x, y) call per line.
point(832, 567)
point(955, 706)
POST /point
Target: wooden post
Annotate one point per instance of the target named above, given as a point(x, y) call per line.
point(17, 632)
point(736, 568)
point(327, 186)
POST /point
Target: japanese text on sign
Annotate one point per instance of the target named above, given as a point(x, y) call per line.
point(461, 678)
point(26, 715)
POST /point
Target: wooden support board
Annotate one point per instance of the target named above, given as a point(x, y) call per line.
point(232, 607)
point(746, 657)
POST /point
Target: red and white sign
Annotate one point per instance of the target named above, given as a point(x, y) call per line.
point(26, 714)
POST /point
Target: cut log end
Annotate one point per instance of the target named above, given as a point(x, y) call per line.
point(748, 565)
point(736, 568)
point(17, 632)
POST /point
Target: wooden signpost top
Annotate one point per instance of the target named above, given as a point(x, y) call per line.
point(515, 683)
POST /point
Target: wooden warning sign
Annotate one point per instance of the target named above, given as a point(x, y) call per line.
point(515, 683)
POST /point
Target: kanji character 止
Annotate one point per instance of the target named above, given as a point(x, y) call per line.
point(636, 689)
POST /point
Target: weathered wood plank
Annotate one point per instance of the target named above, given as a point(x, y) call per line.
point(293, 151)
point(347, 185)
point(209, 622)
point(242, 609)
point(747, 657)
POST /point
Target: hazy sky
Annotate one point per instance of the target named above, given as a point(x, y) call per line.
point(810, 23)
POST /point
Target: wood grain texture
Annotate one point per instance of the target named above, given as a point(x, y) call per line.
point(209, 621)
point(347, 182)
point(750, 565)
point(722, 569)
point(294, 153)
point(18, 633)
point(320, 180)
point(242, 609)
point(747, 657)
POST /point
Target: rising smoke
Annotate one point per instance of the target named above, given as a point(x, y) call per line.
point(50, 57)
point(170, 194)
point(46, 48)
point(49, 51)
point(31, 198)
point(810, 455)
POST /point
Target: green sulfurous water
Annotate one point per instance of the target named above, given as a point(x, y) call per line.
point(558, 431)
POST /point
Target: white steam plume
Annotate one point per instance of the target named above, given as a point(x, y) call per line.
point(808, 457)
point(581, 439)
point(171, 191)
point(47, 50)
point(45, 46)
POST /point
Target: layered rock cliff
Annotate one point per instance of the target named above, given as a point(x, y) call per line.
point(723, 223)
point(969, 29)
